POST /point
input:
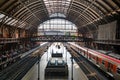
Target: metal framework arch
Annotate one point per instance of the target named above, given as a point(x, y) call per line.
point(83, 13)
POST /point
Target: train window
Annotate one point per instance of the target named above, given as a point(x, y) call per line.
point(97, 61)
point(103, 62)
point(118, 70)
point(94, 57)
point(89, 56)
point(111, 66)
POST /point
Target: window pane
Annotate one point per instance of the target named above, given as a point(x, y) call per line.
point(57, 25)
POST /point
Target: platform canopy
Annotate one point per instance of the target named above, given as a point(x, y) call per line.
point(85, 14)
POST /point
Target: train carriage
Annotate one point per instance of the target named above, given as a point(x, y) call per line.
point(109, 65)
point(56, 67)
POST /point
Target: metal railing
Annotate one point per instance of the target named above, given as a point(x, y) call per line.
point(9, 40)
point(46, 38)
point(116, 42)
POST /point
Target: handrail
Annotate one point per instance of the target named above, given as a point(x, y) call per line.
point(108, 41)
point(9, 40)
point(46, 38)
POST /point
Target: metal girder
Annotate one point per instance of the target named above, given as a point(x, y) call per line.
point(30, 15)
point(10, 6)
point(83, 13)
point(84, 19)
point(92, 11)
point(29, 10)
point(117, 2)
point(94, 20)
point(2, 2)
point(57, 38)
point(87, 17)
point(57, 6)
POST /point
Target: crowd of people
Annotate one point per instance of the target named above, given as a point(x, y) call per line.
point(10, 56)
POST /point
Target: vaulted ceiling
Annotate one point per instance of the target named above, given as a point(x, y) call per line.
point(86, 14)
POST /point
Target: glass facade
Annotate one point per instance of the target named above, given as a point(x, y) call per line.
point(57, 26)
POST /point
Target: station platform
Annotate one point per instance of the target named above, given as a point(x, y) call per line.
point(32, 74)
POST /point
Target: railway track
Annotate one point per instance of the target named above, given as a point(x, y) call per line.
point(17, 71)
point(83, 65)
point(20, 68)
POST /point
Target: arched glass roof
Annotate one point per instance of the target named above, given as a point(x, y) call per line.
point(85, 14)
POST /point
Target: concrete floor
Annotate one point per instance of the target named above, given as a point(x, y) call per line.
point(33, 72)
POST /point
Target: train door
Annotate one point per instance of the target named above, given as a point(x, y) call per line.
point(84, 53)
point(87, 55)
point(90, 56)
point(118, 70)
point(110, 67)
point(97, 60)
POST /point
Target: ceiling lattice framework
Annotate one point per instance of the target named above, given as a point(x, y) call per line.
point(86, 14)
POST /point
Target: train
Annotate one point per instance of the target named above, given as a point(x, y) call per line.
point(56, 67)
point(107, 64)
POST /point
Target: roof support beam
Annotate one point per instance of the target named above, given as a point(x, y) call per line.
point(29, 10)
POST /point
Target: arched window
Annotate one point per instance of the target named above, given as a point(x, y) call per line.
point(57, 27)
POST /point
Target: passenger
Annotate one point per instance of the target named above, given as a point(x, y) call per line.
point(14, 54)
point(4, 57)
point(0, 57)
point(58, 46)
point(8, 56)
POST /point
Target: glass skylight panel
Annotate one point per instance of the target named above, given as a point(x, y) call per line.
point(57, 6)
point(0, 20)
point(2, 15)
point(8, 20)
point(22, 25)
point(28, 26)
point(14, 23)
